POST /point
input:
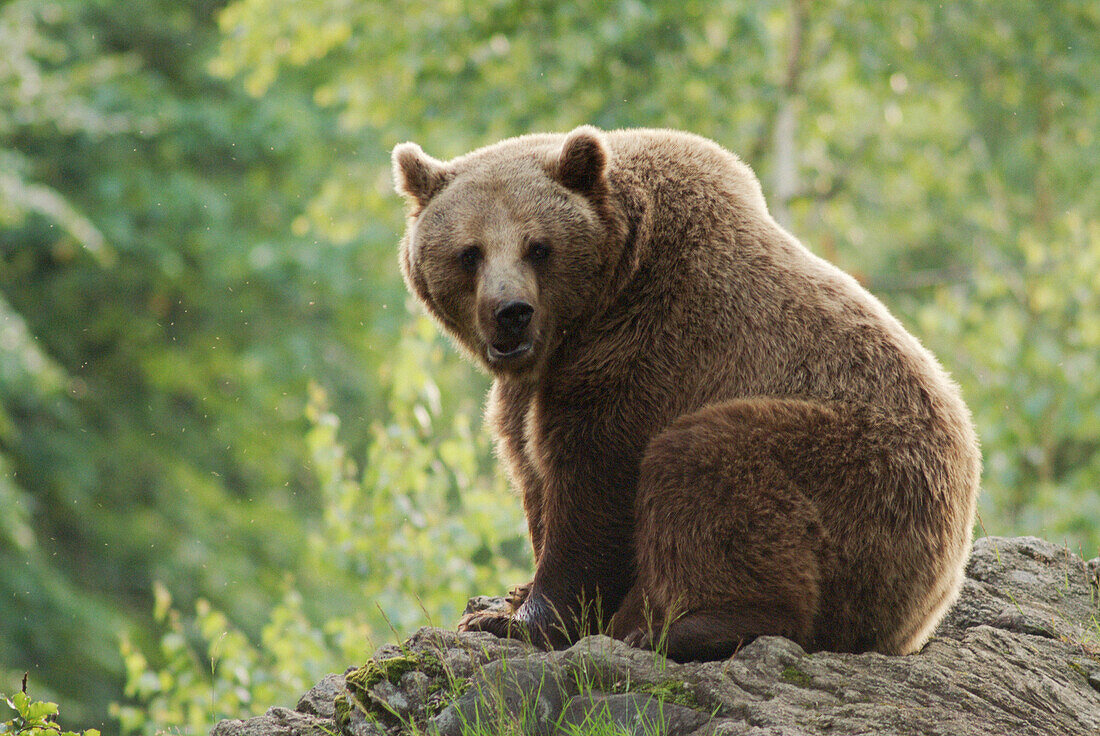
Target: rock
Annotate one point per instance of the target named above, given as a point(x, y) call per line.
point(1093, 571)
point(276, 721)
point(417, 688)
point(1025, 585)
point(528, 693)
point(632, 713)
point(486, 603)
point(361, 724)
point(1019, 653)
point(319, 701)
point(990, 682)
point(609, 663)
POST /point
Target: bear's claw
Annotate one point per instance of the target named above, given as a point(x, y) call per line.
point(502, 624)
point(639, 638)
point(517, 595)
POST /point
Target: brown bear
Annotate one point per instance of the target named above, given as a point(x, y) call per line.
point(717, 435)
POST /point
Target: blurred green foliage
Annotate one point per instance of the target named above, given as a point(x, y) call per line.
point(401, 543)
point(212, 390)
point(35, 718)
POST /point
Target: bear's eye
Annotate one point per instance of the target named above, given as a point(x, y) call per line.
point(538, 251)
point(470, 257)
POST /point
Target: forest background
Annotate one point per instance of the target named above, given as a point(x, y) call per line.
point(233, 455)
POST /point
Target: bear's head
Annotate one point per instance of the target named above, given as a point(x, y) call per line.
point(510, 246)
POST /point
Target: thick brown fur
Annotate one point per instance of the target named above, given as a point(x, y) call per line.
point(716, 434)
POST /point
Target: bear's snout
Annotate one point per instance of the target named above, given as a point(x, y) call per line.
point(513, 317)
point(511, 321)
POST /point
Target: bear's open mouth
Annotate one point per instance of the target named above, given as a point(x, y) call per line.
point(503, 352)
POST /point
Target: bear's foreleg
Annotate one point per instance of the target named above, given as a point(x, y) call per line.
point(586, 565)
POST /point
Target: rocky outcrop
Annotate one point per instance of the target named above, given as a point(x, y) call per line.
point(1018, 654)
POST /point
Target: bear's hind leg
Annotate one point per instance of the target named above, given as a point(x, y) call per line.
point(728, 547)
point(703, 636)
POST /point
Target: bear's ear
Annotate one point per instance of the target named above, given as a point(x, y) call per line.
point(582, 163)
point(416, 175)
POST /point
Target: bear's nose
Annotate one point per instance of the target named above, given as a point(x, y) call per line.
point(513, 316)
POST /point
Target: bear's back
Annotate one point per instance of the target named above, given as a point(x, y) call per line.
point(738, 300)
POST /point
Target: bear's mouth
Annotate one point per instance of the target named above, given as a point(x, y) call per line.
point(502, 352)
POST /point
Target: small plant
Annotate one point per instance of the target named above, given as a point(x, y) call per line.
point(35, 718)
point(600, 723)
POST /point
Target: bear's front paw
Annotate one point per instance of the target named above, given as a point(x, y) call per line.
point(503, 624)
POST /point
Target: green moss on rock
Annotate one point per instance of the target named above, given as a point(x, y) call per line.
point(796, 676)
point(359, 683)
point(343, 710)
point(668, 691)
point(391, 669)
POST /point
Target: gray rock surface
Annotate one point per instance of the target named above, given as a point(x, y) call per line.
point(1018, 654)
point(633, 713)
point(275, 721)
point(530, 691)
point(320, 700)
